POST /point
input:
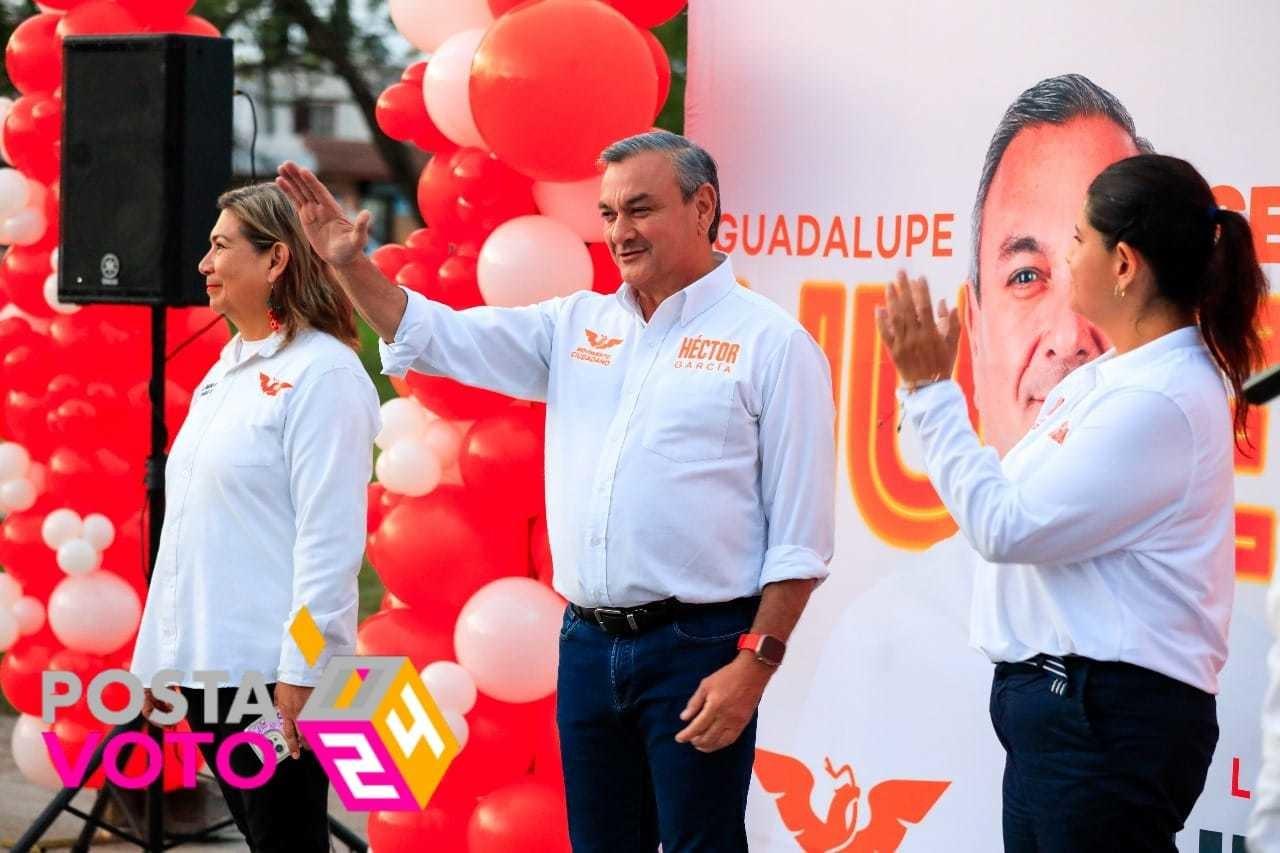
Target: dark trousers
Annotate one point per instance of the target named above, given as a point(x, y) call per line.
point(1110, 756)
point(629, 784)
point(291, 811)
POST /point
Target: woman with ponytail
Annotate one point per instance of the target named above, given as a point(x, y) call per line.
point(1108, 533)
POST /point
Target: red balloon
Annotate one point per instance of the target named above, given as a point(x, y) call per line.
point(158, 14)
point(21, 669)
point(501, 459)
point(528, 816)
point(662, 65)
point(452, 400)
point(437, 827)
point(428, 246)
point(499, 751)
point(417, 276)
point(389, 259)
point(501, 7)
point(32, 135)
point(62, 5)
point(424, 635)
point(402, 115)
point(375, 510)
point(33, 56)
point(194, 25)
point(555, 82)
point(414, 72)
point(437, 550)
point(469, 193)
point(456, 283)
point(98, 17)
point(648, 13)
point(607, 278)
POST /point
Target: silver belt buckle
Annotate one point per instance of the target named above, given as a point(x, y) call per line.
point(602, 612)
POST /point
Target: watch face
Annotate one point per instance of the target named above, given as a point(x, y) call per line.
point(772, 649)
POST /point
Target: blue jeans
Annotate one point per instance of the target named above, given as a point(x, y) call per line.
point(629, 784)
point(1111, 758)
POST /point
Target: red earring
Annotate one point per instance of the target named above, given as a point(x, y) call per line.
point(272, 320)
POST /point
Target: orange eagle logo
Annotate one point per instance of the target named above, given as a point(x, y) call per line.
point(599, 341)
point(272, 387)
point(1060, 434)
point(891, 804)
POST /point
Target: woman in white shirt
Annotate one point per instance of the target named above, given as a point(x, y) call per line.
point(1107, 533)
point(265, 509)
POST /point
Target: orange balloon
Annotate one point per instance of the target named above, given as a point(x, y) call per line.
point(553, 83)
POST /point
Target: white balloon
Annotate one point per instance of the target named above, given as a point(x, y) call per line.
point(18, 495)
point(450, 685)
point(53, 259)
point(78, 557)
point(61, 525)
point(51, 296)
point(457, 725)
point(95, 613)
point(446, 88)
point(9, 629)
point(14, 192)
point(532, 258)
point(576, 204)
point(23, 228)
point(427, 23)
point(507, 637)
point(408, 468)
point(30, 753)
point(10, 591)
point(403, 417)
point(29, 611)
point(99, 531)
point(14, 461)
point(444, 440)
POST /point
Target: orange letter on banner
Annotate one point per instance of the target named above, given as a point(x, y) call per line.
point(1255, 543)
point(821, 311)
point(899, 505)
point(1255, 460)
point(1265, 223)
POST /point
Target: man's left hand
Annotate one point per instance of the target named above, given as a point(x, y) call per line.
point(724, 703)
point(289, 701)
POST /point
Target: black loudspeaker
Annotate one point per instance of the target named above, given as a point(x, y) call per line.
point(146, 150)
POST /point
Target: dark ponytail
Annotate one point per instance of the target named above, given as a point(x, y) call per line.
point(1201, 256)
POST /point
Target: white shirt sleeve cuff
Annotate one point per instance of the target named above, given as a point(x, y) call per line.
point(916, 404)
point(412, 336)
point(792, 562)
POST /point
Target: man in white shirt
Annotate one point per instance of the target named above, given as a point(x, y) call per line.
point(690, 488)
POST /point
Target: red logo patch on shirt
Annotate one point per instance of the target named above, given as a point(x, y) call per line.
point(272, 387)
point(1060, 434)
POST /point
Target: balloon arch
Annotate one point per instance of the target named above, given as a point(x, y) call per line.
point(515, 102)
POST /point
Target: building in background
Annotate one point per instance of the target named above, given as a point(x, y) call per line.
point(310, 118)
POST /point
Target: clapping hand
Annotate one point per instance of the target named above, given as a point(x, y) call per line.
point(923, 349)
point(334, 238)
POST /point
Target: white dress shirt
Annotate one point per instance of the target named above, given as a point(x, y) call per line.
point(692, 456)
point(265, 512)
point(1109, 530)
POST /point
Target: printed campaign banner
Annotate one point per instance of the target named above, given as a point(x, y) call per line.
point(855, 139)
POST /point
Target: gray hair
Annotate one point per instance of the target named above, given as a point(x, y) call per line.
point(1056, 100)
point(694, 166)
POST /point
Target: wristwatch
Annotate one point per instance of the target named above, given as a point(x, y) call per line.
point(769, 649)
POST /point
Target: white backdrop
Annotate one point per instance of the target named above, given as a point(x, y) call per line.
point(820, 110)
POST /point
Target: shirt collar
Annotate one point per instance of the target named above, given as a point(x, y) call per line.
point(694, 298)
point(1110, 365)
point(271, 346)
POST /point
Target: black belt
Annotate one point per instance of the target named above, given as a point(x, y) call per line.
point(637, 620)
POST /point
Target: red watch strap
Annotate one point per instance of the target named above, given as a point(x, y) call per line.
point(768, 648)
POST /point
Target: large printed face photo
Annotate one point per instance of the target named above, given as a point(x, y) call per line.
point(1023, 334)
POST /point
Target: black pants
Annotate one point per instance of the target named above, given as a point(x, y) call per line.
point(1099, 756)
point(291, 811)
